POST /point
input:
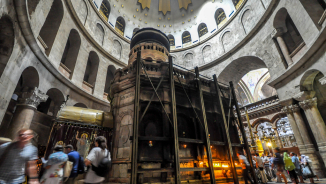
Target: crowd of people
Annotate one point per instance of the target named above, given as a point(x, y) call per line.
point(18, 162)
point(289, 167)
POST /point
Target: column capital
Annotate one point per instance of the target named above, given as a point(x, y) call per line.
point(322, 81)
point(295, 108)
point(304, 95)
point(287, 109)
point(277, 32)
point(32, 97)
point(307, 104)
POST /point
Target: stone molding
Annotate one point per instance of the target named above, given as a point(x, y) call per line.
point(277, 32)
point(287, 109)
point(323, 81)
point(304, 95)
point(295, 108)
point(307, 104)
point(32, 97)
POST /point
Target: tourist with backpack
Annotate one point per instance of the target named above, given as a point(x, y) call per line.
point(99, 160)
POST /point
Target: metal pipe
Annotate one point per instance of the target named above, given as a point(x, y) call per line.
point(243, 133)
point(134, 165)
point(175, 124)
point(208, 143)
point(226, 130)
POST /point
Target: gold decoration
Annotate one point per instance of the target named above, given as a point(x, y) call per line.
point(134, 16)
point(169, 18)
point(139, 19)
point(183, 15)
point(158, 25)
point(119, 11)
point(114, 5)
point(122, 6)
point(146, 14)
point(183, 22)
point(170, 25)
point(163, 25)
point(184, 4)
point(160, 18)
point(191, 10)
point(145, 22)
point(145, 3)
point(137, 9)
point(189, 20)
point(164, 6)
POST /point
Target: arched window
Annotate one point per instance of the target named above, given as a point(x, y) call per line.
point(70, 53)
point(202, 29)
point(134, 31)
point(237, 3)
point(52, 105)
point(186, 37)
point(120, 25)
point(91, 69)
point(51, 26)
point(99, 33)
point(171, 40)
point(109, 78)
point(292, 37)
point(6, 41)
point(105, 9)
point(219, 16)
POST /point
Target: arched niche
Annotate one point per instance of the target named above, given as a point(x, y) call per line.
point(220, 17)
point(120, 25)
point(99, 33)
point(202, 29)
point(53, 103)
point(91, 69)
point(171, 40)
point(134, 31)
point(71, 51)
point(116, 50)
point(29, 79)
point(51, 26)
point(82, 11)
point(109, 77)
point(290, 34)
point(7, 37)
point(105, 9)
point(80, 105)
point(186, 37)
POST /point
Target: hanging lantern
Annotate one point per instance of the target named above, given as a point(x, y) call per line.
point(150, 143)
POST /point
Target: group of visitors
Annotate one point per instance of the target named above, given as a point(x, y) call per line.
point(64, 162)
point(287, 166)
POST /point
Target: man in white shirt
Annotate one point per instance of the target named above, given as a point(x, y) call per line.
point(266, 165)
point(260, 166)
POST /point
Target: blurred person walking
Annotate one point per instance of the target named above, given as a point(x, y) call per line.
point(290, 167)
point(54, 166)
point(279, 163)
point(77, 160)
point(16, 156)
point(266, 167)
point(245, 167)
point(260, 167)
point(296, 163)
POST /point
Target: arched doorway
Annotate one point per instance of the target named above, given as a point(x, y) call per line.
point(7, 37)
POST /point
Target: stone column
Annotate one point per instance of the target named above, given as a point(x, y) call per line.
point(24, 113)
point(278, 140)
point(277, 34)
point(309, 147)
point(289, 112)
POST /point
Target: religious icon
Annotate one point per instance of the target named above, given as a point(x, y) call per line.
point(82, 144)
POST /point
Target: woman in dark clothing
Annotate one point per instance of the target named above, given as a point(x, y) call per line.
point(278, 161)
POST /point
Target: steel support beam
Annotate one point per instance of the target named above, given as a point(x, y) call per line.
point(226, 130)
point(175, 124)
point(243, 133)
point(208, 144)
point(134, 167)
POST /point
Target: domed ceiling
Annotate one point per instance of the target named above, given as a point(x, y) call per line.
point(170, 16)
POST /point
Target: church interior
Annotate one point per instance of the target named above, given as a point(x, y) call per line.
point(177, 87)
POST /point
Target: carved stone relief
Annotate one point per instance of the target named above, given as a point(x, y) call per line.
point(116, 52)
point(188, 60)
point(207, 55)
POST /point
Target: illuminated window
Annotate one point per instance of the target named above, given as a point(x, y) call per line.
point(186, 38)
point(105, 9)
point(220, 16)
point(171, 39)
point(120, 25)
point(202, 29)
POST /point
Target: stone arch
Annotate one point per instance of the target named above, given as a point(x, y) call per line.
point(242, 66)
point(117, 48)
point(307, 80)
point(51, 25)
point(258, 121)
point(287, 29)
point(277, 117)
point(186, 37)
point(70, 54)
point(202, 30)
point(99, 33)
point(31, 6)
point(105, 9)
point(80, 105)
point(220, 17)
point(171, 40)
point(7, 41)
point(91, 69)
point(52, 105)
point(29, 79)
point(247, 19)
point(315, 9)
point(83, 10)
point(120, 25)
point(109, 77)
